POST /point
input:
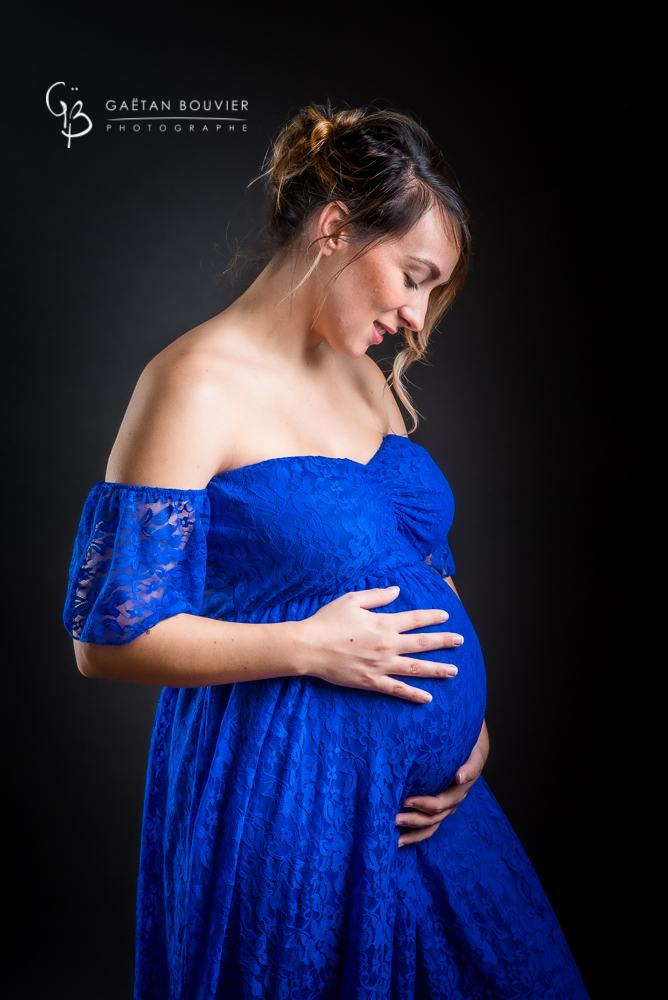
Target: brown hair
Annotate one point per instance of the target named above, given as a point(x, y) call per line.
point(387, 172)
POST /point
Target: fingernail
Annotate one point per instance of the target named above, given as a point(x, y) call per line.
point(462, 777)
point(427, 699)
point(452, 671)
point(408, 804)
point(458, 640)
point(445, 616)
point(401, 842)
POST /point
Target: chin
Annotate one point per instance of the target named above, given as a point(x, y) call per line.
point(352, 351)
point(359, 352)
point(350, 347)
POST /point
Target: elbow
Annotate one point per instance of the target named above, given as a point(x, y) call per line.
point(87, 662)
point(90, 659)
point(110, 662)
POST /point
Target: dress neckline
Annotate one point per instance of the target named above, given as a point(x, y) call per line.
point(173, 491)
point(322, 458)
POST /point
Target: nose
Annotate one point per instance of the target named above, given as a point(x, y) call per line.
point(413, 315)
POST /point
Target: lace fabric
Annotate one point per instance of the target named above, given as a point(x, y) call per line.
point(269, 862)
point(140, 557)
point(441, 560)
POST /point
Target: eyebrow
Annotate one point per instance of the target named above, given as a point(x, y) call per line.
point(435, 272)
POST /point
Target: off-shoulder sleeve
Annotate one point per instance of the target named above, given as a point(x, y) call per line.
point(441, 560)
point(139, 557)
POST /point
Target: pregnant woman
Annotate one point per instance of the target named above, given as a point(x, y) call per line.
point(270, 547)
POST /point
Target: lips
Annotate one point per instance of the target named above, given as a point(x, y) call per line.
point(379, 331)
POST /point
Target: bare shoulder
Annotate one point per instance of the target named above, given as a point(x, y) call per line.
point(381, 396)
point(171, 432)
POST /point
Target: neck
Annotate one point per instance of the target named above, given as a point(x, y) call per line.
point(278, 318)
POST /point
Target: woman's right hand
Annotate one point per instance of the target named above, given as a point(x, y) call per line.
point(346, 644)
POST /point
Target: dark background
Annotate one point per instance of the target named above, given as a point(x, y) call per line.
point(112, 250)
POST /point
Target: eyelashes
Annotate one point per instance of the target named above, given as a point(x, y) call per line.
point(411, 284)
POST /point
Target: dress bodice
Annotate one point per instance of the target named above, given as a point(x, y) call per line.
point(313, 525)
point(269, 533)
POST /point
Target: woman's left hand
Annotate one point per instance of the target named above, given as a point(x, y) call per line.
point(425, 813)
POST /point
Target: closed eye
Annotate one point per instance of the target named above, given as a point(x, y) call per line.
point(411, 284)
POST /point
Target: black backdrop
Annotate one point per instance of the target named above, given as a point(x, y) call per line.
point(112, 251)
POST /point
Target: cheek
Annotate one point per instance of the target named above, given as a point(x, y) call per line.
point(359, 295)
point(379, 287)
point(341, 321)
point(350, 304)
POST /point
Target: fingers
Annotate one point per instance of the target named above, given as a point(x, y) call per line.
point(421, 825)
point(421, 810)
point(379, 659)
point(406, 621)
point(419, 820)
point(414, 836)
point(423, 668)
point(426, 641)
point(413, 668)
point(470, 771)
point(424, 813)
point(389, 685)
point(375, 598)
point(429, 804)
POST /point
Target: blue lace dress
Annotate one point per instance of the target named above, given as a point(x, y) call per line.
point(269, 860)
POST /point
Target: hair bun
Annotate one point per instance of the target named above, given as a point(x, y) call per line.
point(320, 133)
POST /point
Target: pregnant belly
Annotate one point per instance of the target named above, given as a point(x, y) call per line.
point(430, 742)
point(328, 737)
point(293, 766)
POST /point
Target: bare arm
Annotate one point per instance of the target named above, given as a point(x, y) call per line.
point(188, 651)
point(344, 643)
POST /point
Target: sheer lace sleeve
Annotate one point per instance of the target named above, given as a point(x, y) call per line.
point(139, 557)
point(441, 560)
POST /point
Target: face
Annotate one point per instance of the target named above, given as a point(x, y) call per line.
point(385, 289)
